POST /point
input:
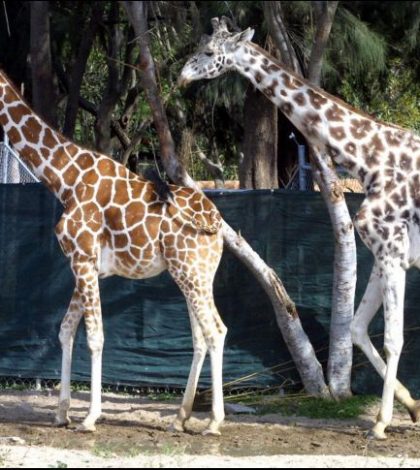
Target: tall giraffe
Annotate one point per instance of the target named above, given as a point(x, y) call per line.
point(115, 223)
point(385, 158)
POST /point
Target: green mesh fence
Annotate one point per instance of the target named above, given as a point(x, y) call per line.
point(147, 332)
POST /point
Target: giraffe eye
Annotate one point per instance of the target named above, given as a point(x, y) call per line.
point(209, 53)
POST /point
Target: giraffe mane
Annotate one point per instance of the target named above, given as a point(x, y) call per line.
point(322, 92)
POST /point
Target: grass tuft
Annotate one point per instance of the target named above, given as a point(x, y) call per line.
point(318, 408)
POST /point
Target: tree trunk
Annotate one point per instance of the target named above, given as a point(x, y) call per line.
point(78, 70)
point(112, 91)
point(301, 348)
point(119, 78)
point(342, 310)
point(259, 167)
point(324, 20)
point(43, 89)
point(344, 282)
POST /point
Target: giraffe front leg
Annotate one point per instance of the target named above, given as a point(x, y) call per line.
point(95, 337)
point(67, 333)
point(393, 296)
point(87, 286)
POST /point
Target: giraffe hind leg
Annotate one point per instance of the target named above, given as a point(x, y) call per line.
point(215, 343)
point(200, 350)
point(394, 285)
point(208, 335)
point(367, 309)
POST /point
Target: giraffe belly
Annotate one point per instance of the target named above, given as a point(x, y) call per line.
point(121, 263)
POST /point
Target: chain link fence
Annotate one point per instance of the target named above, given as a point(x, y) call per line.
point(12, 169)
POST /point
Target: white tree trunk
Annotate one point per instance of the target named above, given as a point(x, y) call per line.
point(344, 283)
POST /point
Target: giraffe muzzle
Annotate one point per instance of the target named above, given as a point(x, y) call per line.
point(183, 81)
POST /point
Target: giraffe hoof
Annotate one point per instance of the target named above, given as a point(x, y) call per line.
point(374, 435)
point(176, 426)
point(415, 412)
point(62, 422)
point(85, 428)
point(211, 432)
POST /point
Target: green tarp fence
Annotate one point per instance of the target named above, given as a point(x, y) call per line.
point(147, 332)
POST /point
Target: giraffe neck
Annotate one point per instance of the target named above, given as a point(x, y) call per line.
point(321, 118)
point(56, 161)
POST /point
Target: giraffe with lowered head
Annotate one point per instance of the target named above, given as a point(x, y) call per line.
point(115, 223)
point(386, 160)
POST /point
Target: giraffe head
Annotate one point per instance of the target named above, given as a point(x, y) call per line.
point(215, 54)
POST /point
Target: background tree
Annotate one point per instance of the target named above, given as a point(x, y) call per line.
point(43, 87)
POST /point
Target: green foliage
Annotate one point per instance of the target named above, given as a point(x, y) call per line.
point(395, 99)
point(354, 49)
point(318, 408)
point(372, 61)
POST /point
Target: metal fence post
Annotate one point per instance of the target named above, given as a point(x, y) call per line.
point(302, 167)
point(5, 159)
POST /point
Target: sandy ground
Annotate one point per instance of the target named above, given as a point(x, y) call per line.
point(132, 433)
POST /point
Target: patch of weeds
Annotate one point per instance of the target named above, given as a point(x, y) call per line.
point(14, 387)
point(163, 396)
point(58, 464)
point(80, 387)
point(105, 451)
point(170, 450)
point(318, 408)
point(3, 457)
point(112, 449)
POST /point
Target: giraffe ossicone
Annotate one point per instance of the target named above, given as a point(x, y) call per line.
point(115, 223)
point(384, 157)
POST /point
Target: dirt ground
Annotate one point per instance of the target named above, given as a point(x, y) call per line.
point(132, 433)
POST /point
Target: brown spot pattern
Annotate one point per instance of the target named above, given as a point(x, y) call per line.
point(316, 99)
point(360, 128)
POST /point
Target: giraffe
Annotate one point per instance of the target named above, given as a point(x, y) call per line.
point(386, 160)
point(115, 223)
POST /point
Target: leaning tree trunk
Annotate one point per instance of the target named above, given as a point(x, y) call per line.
point(300, 347)
point(342, 309)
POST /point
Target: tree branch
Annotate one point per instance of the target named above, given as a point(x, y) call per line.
point(274, 17)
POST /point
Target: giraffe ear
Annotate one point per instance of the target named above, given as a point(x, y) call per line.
point(246, 35)
point(215, 23)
